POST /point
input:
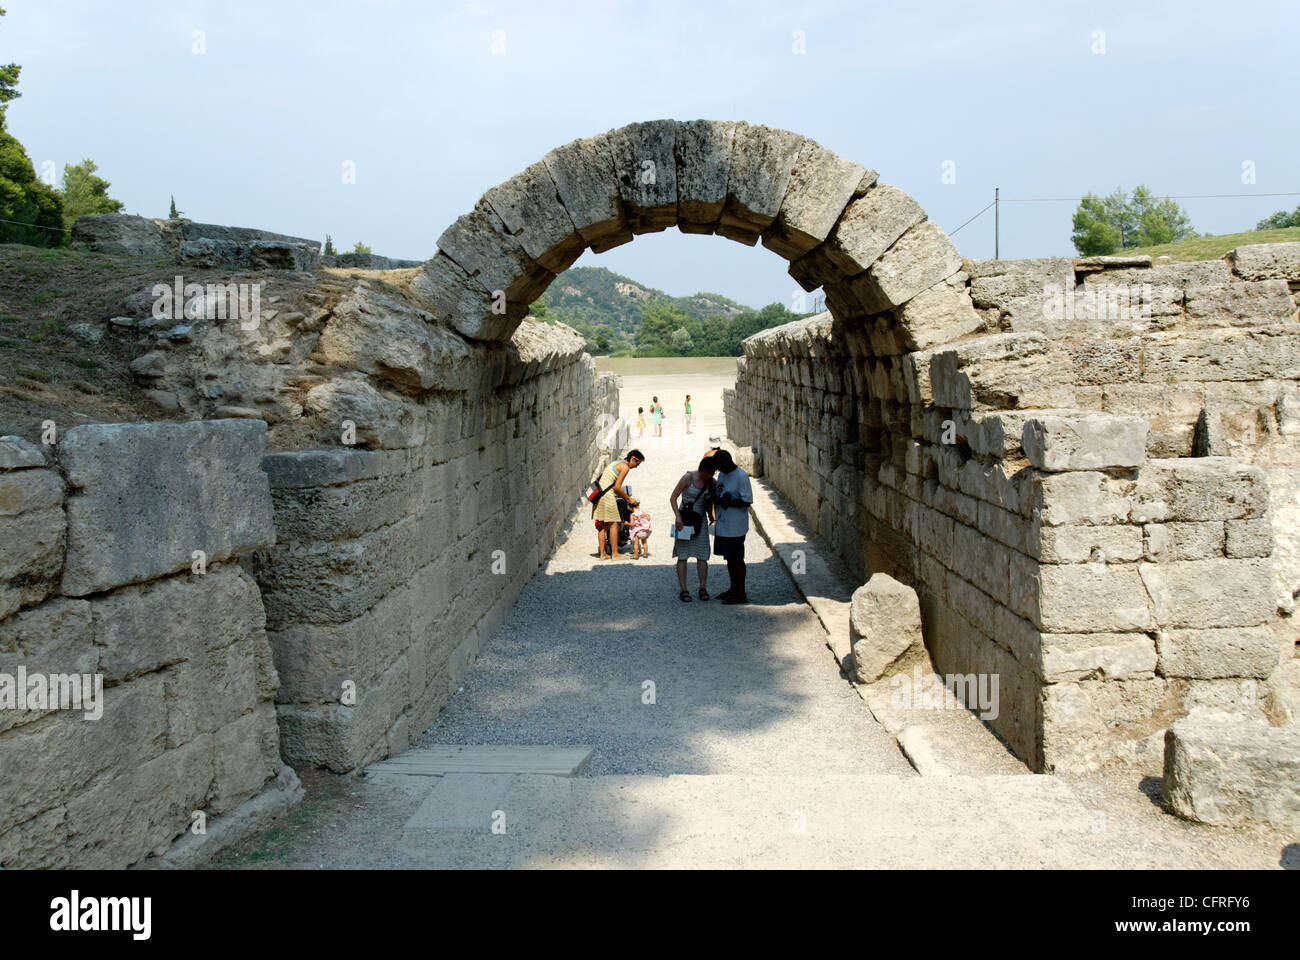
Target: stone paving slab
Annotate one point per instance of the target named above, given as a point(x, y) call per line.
point(750, 821)
point(485, 758)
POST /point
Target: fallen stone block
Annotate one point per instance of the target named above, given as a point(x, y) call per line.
point(1231, 770)
point(884, 625)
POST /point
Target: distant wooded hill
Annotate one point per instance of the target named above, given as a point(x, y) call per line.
point(621, 317)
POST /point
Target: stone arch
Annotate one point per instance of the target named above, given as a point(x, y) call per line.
point(880, 260)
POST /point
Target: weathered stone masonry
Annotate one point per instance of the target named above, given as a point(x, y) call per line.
point(392, 567)
point(1100, 531)
point(97, 561)
point(1065, 537)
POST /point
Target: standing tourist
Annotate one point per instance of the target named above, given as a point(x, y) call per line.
point(689, 416)
point(657, 417)
point(732, 497)
point(695, 489)
point(605, 510)
point(640, 422)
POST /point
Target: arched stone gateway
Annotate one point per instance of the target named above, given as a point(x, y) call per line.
point(1088, 470)
point(1003, 435)
point(869, 244)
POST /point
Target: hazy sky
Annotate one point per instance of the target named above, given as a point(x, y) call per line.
point(255, 130)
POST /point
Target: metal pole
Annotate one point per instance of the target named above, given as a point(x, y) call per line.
point(996, 223)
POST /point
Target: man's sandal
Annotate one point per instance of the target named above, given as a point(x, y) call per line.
point(686, 596)
point(704, 594)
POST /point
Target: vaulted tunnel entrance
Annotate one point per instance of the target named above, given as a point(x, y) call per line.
point(930, 426)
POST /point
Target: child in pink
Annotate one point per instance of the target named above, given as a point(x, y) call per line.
point(640, 531)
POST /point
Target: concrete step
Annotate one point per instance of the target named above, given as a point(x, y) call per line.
point(728, 820)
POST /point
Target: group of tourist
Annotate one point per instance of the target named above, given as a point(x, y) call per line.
point(716, 493)
point(657, 417)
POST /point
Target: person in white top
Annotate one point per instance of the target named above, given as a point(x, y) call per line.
point(733, 495)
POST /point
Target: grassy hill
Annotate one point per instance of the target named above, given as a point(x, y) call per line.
point(619, 316)
point(1213, 248)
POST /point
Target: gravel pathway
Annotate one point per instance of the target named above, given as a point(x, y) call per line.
point(734, 689)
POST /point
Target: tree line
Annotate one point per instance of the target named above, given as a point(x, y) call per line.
point(1125, 221)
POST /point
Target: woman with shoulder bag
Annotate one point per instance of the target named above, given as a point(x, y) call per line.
point(695, 491)
point(605, 510)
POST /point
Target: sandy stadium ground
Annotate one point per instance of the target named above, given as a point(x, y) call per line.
point(671, 379)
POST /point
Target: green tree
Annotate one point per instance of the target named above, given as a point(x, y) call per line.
point(173, 213)
point(361, 248)
point(33, 208)
point(682, 341)
point(1163, 221)
point(654, 336)
point(1095, 233)
point(84, 193)
point(1280, 220)
point(329, 250)
point(1119, 221)
point(8, 83)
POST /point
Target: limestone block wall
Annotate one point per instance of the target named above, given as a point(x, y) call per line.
point(393, 566)
point(1057, 539)
point(99, 579)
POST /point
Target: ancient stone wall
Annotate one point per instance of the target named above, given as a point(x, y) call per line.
point(120, 559)
point(194, 244)
point(392, 567)
point(1035, 480)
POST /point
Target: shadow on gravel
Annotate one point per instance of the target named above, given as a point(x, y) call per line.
point(612, 658)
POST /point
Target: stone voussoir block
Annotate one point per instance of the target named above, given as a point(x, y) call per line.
point(703, 153)
point(821, 186)
point(762, 159)
point(587, 183)
point(481, 245)
point(646, 167)
point(920, 258)
point(455, 298)
point(530, 208)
